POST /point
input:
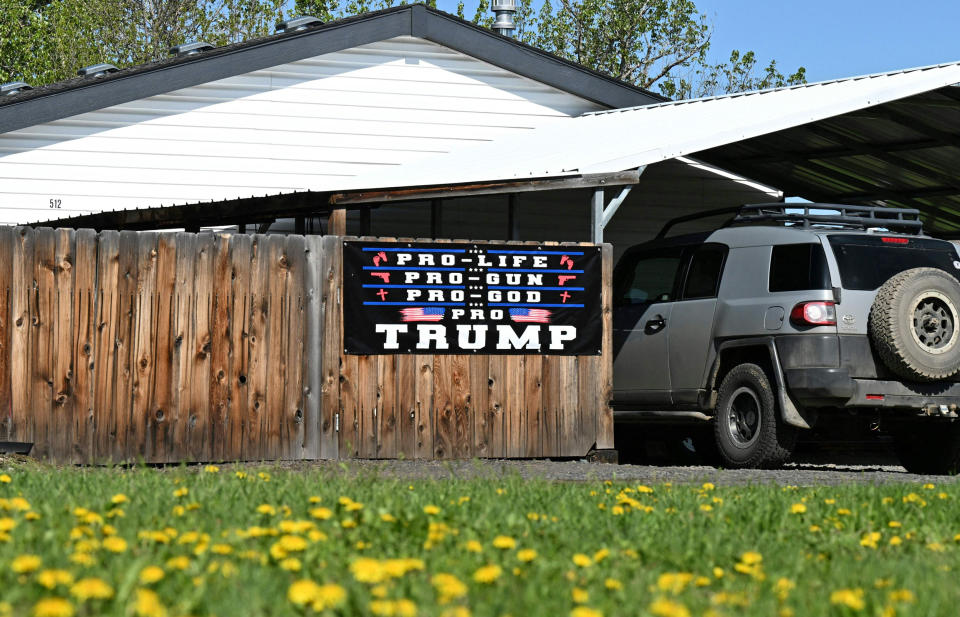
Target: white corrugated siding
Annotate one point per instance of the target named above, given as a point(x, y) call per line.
point(320, 124)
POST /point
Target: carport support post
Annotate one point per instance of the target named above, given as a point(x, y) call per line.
point(596, 215)
point(337, 223)
point(599, 215)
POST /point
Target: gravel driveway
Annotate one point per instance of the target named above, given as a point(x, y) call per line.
point(579, 471)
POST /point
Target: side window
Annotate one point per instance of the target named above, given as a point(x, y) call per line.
point(703, 275)
point(649, 278)
point(798, 267)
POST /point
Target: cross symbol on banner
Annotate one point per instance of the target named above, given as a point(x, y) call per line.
point(565, 296)
point(383, 295)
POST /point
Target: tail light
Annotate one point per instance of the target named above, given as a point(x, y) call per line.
point(888, 240)
point(819, 313)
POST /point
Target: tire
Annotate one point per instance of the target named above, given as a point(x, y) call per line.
point(931, 449)
point(747, 429)
point(914, 324)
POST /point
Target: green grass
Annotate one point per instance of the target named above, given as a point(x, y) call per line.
point(694, 535)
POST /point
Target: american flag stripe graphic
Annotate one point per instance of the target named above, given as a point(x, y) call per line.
point(421, 314)
point(524, 315)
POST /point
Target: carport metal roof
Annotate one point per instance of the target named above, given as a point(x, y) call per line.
point(891, 138)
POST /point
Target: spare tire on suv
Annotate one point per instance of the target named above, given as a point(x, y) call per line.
point(914, 324)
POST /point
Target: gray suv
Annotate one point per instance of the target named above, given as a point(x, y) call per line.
point(789, 315)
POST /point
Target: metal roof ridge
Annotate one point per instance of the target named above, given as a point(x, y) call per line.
point(732, 95)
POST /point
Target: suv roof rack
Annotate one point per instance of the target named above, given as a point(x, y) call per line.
point(905, 220)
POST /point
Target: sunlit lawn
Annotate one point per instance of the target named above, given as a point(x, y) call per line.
point(268, 541)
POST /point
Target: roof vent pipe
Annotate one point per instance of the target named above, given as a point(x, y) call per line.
point(297, 24)
point(14, 87)
point(190, 49)
point(97, 70)
point(504, 11)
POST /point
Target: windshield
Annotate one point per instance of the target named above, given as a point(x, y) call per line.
point(867, 262)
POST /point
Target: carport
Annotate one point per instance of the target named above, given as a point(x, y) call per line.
point(886, 139)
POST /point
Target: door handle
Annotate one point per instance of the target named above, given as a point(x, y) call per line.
point(655, 325)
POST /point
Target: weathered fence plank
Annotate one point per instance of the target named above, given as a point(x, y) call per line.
point(6, 331)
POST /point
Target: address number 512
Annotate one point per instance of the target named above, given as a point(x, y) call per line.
point(55, 203)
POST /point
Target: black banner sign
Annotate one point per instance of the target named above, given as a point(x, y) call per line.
point(471, 298)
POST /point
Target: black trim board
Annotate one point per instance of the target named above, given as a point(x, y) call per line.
point(80, 95)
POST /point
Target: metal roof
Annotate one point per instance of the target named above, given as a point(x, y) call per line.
point(889, 138)
point(81, 94)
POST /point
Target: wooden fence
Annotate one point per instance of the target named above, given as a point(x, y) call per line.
point(172, 347)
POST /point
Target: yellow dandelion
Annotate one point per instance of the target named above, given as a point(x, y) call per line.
point(815, 529)
point(151, 574)
point(348, 523)
point(5, 479)
point(241, 475)
point(292, 543)
point(147, 604)
point(321, 513)
point(24, 564)
point(211, 469)
point(302, 592)
point(448, 587)
point(870, 539)
point(904, 596)
point(613, 584)
point(473, 546)
point(579, 596)
point(52, 578)
point(718, 572)
point(662, 607)
point(851, 598)
point(456, 611)
point(798, 508)
point(181, 562)
point(119, 498)
point(487, 574)
point(115, 544)
point(783, 587)
point(582, 561)
point(83, 559)
point(328, 596)
point(368, 570)
point(751, 558)
point(894, 524)
point(181, 492)
point(706, 507)
point(843, 512)
point(526, 555)
point(504, 542)
point(91, 589)
point(266, 509)
point(290, 564)
point(896, 541)
point(674, 582)
point(431, 510)
point(52, 607)
point(585, 611)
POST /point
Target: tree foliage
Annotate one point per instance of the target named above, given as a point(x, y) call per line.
point(655, 44)
point(42, 42)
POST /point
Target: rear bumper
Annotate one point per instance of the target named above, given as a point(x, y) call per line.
point(833, 387)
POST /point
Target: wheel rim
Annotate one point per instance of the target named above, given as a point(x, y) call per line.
point(743, 417)
point(934, 322)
